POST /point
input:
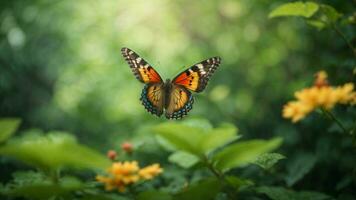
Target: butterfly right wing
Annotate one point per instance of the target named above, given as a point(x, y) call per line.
point(143, 71)
point(152, 98)
point(196, 77)
point(180, 102)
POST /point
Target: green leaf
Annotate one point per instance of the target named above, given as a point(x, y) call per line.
point(8, 126)
point(299, 167)
point(182, 137)
point(53, 151)
point(218, 137)
point(32, 185)
point(205, 189)
point(154, 195)
point(267, 160)
point(198, 123)
point(298, 8)
point(279, 193)
point(183, 159)
point(238, 183)
point(243, 153)
point(331, 13)
point(316, 23)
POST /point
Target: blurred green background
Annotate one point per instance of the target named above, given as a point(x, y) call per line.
point(61, 69)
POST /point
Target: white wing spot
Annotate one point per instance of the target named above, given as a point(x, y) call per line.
point(200, 66)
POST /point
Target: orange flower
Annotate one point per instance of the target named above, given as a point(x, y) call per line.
point(150, 171)
point(122, 174)
point(321, 95)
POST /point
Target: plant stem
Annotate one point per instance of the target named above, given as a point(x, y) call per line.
point(232, 195)
point(342, 35)
point(332, 117)
point(55, 175)
point(337, 30)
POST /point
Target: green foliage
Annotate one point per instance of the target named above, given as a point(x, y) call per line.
point(299, 8)
point(183, 159)
point(8, 126)
point(327, 17)
point(279, 193)
point(34, 185)
point(205, 189)
point(194, 139)
point(154, 195)
point(299, 167)
point(183, 137)
point(243, 153)
point(238, 183)
point(200, 142)
point(331, 14)
point(61, 69)
point(219, 137)
point(53, 151)
point(268, 160)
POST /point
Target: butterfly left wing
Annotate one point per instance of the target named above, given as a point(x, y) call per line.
point(196, 77)
point(152, 98)
point(180, 102)
point(143, 71)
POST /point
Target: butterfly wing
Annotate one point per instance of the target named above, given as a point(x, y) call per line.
point(152, 98)
point(143, 71)
point(196, 77)
point(180, 102)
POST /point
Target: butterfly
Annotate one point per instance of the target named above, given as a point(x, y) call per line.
point(172, 97)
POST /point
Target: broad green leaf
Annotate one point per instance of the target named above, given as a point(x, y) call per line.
point(205, 189)
point(53, 151)
point(198, 123)
point(243, 153)
point(218, 137)
point(299, 8)
point(267, 160)
point(8, 126)
point(182, 137)
point(331, 13)
point(35, 186)
point(316, 23)
point(238, 183)
point(183, 159)
point(154, 195)
point(299, 167)
point(279, 193)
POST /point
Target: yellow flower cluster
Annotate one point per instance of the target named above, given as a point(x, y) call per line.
point(321, 95)
point(122, 174)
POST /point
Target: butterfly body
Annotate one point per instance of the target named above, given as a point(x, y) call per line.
point(174, 98)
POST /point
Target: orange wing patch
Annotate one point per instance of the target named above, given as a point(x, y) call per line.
point(196, 77)
point(143, 71)
point(189, 79)
point(149, 75)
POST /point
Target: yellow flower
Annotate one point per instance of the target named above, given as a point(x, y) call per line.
point(150, 171)
point(345, 94)
point(122, 174)
point(296, 110)
point(321, 95)
point(109, 182)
